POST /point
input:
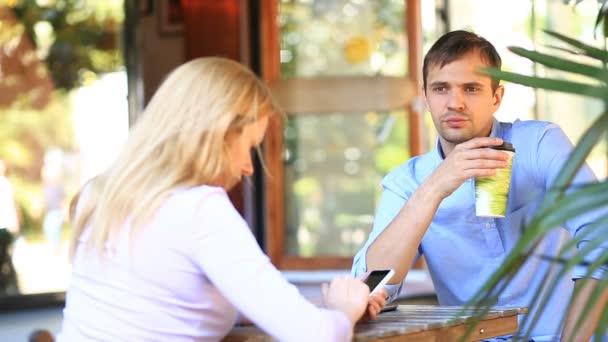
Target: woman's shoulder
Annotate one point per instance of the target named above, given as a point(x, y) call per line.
point(192, 199)
point(197, 192)
point(204, 190)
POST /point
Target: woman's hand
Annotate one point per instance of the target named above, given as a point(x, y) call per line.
point(347, 295)
point(375, 304)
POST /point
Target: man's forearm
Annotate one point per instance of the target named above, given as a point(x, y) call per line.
point(576, 309)
point(396, 246)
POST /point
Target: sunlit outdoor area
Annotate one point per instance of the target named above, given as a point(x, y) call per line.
point(63, 117)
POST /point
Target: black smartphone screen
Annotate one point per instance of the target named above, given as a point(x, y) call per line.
point(374, 278)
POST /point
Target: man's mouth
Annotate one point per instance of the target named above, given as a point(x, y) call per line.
point(454, 121)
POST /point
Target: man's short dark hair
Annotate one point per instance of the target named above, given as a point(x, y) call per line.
point(453, 45)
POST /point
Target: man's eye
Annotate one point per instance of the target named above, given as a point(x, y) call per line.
point(439, 89)
point(472, 89)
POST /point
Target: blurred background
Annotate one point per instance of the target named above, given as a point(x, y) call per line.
point(74, 74)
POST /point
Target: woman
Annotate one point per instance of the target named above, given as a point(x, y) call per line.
point(160, 253)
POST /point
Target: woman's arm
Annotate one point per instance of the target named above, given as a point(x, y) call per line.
point(230, 257)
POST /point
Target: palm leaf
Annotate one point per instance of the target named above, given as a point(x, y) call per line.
point(549, 83)
point(559, 48)
point(594, 297)
point(600, 16)
point(581, 200)
point(563, 201)
point(562, 64)
point(555, 210)
point(589, 50)
point(603, 324)
point(567, 265)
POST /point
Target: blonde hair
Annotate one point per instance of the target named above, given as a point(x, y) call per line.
point(179, 142)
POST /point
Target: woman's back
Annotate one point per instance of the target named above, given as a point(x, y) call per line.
point(151, 288)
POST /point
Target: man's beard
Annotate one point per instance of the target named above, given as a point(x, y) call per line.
point(456, 138)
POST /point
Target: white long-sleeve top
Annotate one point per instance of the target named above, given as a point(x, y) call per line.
point(188, 273)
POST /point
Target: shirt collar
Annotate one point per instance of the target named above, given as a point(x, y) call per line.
point(495, 132)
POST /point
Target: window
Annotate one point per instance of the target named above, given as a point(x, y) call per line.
point(340, 70)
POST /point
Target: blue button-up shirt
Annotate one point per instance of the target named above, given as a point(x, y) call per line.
point(463, 250)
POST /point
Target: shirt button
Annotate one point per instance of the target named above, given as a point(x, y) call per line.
point(488, 225)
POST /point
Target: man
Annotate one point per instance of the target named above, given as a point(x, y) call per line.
point(428, 203)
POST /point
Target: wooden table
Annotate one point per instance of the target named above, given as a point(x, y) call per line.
point(417, 323)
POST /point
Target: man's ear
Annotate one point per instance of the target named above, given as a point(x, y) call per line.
point(498, 95)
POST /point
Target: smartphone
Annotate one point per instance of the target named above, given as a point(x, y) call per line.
point(377, 279)
point(389, 307)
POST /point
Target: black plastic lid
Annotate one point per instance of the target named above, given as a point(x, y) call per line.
point(506, 146)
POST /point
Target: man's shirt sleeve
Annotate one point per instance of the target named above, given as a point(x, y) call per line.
point(388, 207)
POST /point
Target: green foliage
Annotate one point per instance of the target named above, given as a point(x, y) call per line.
point(563, 202)
point(25, 136)
point(77, 40)
point(25, 133)
point(84, 37)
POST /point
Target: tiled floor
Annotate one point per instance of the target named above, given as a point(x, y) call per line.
point(16, 326)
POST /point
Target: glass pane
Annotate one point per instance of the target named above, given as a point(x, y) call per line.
point(573, 113)
point(63, 121)
point(512, 23)
point(334, 162)
point(342, 37)
point(333, 168)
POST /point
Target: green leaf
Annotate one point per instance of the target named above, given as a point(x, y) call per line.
point(589, 50)
point(562, 64)
point(549, 83)
point(602, 326)
point(582, 316)
point(563, 202)
point(568, 265)
point(582, 199)
point(599, 17)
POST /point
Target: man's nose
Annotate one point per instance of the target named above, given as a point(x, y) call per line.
point(456, 100)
